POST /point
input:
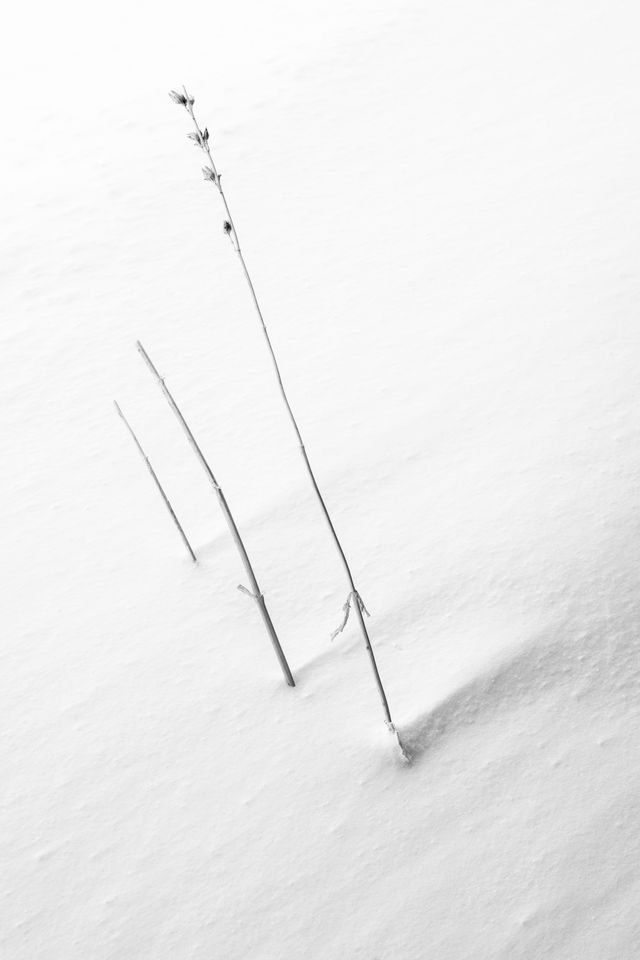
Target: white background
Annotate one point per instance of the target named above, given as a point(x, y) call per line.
point(439, 206)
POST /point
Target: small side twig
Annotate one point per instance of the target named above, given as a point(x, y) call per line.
point(157, 483)
point(354, 597)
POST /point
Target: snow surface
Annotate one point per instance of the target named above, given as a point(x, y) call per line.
point(439, 205)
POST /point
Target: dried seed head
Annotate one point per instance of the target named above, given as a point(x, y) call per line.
point(197, 139)
point(208, 174)
point(226, 226)
point(178, 98)
point(205, 135)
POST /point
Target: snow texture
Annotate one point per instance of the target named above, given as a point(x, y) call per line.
point(439, 206)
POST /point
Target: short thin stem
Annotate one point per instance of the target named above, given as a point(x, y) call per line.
point(157, 483)
point(255, 592)
point(236, 244)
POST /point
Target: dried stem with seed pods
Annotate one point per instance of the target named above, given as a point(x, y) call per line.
point(354, 601)
point(254, 590)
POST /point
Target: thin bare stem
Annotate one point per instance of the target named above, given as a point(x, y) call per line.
point(157, 483)
point(254, 592)
point(202, 139)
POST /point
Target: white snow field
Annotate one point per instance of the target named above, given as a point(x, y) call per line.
point(439, 204)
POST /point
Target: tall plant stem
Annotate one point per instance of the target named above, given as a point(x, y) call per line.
point(230, 228)
point(157, 483)
point(255, 592)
